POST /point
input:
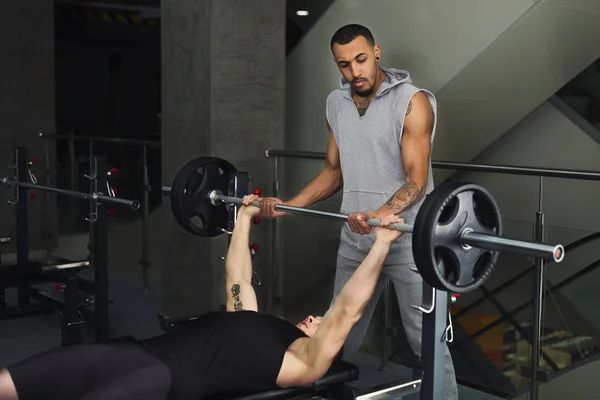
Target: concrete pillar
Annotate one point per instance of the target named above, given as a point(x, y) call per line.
point(28, 106)
point(223, 80)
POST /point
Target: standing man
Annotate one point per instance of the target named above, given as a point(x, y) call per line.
point(381, 130)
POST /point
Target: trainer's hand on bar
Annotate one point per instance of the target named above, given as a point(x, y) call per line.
point(267, 207)
point(383, 234)
point(358, 224)
point(356, 221)
point(247, 208)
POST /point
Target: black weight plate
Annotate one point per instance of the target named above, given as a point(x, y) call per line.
point(191, 186)
point(440, 256)
point(419, 240)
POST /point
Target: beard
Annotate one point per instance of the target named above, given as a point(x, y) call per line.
point(363, 92)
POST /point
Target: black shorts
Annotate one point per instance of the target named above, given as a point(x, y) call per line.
point(92, 371)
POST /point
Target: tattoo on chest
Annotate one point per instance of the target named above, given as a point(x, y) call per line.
point(235, 292)
point(361, 106)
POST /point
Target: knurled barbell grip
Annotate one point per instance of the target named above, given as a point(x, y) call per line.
point(468, 238)
point(309, 212)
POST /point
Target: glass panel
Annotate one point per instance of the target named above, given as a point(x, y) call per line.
point(571, 321)
point(494, 357)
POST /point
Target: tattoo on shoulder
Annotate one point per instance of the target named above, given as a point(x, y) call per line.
point(409, 108)
point(235, 293)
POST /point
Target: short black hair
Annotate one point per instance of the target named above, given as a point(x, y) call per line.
point(348, 33)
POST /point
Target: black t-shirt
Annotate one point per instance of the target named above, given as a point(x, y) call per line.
point(224, 352)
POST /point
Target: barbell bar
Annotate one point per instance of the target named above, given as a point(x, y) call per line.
point(134, 204)
point(456, 235)
point(468, 238)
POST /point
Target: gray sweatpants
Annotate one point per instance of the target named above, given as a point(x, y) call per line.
point(408, 286)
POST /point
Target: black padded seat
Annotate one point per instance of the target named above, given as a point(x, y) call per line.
point(331, 385)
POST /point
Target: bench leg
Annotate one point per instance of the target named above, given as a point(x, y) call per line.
point(71, 317)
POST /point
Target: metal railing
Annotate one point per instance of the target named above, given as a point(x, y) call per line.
point(538, 270)
point(71, 138)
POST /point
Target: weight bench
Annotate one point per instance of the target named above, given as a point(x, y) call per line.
point(56, 270)
point(331, 386)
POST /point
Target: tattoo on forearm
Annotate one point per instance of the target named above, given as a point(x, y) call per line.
point(406, 196)
point(235, 292)
point(409, 108)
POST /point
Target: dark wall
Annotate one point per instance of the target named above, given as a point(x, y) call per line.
point(108, 85)
point(27, 106)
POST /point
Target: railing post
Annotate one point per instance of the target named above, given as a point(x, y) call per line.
point(22, 228)
point(73, 179)
point(539, 280)
point(93, 174)
point(276, 273)
point(47, 195)
point(144, 262)
point(99, 251)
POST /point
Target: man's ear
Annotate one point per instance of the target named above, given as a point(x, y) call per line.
point(377, 50)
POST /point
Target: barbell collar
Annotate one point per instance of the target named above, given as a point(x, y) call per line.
point(500, 243)
point(134, 204)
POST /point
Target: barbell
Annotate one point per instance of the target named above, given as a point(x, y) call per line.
point(95, 196)
point(456, 236)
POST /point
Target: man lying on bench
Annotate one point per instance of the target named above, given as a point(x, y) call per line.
point(240, 350)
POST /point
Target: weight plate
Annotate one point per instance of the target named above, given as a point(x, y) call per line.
point(190, 204)
point(440, 256)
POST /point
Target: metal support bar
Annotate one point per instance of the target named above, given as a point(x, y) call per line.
point(276, 272)
point(93, 186)
point(71, 320)
point(456, 166)
point(433, 344)
point(538, 282)
point(72, 180)
point(22, 228)
point(144, 261)
point(100, 258)
point(99, 139)
point(49, 213)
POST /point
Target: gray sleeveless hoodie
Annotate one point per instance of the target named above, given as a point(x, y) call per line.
point(370, 157)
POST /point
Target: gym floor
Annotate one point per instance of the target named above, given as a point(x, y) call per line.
point(134, 312)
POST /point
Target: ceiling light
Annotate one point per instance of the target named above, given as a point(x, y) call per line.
point(302, 13)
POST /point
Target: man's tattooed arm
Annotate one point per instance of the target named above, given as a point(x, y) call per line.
point(416, 149)
point(405, 197)
point(235, 293)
